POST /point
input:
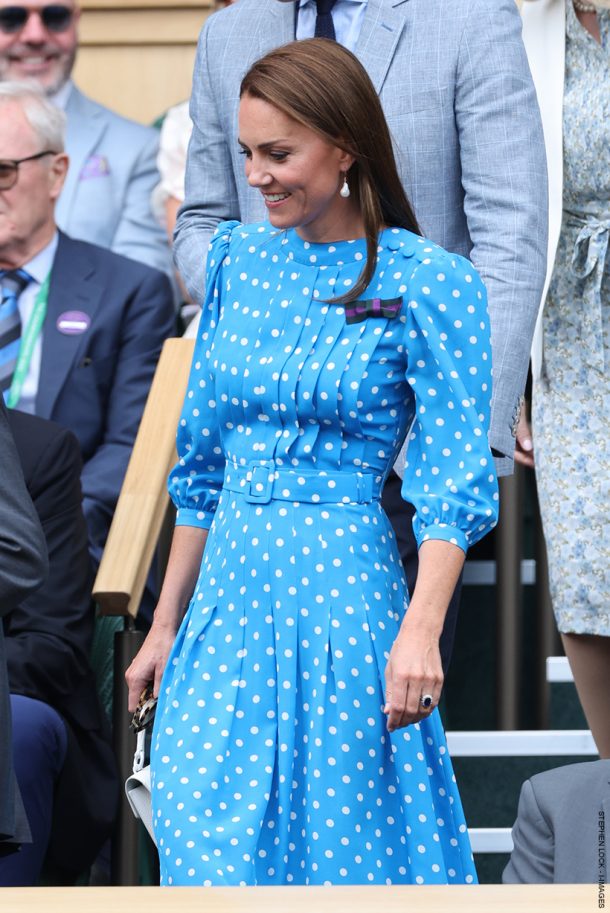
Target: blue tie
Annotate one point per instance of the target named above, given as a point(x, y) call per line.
point(324, 21)
point(12, 283)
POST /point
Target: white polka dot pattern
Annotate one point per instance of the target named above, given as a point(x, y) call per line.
point(271, 760)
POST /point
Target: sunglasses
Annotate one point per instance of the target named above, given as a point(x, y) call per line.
point(55, 18)
point(9, 168)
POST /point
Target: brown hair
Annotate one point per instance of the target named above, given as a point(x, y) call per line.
point(322, 85)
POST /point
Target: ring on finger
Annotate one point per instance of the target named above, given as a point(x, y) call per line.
point(426, 701)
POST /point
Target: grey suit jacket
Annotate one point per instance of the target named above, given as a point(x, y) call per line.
point(23, 567)
point(561, 831)
point(457, 92)
point(106, 199)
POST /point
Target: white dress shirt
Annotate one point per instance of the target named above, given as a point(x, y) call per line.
point(347, 19)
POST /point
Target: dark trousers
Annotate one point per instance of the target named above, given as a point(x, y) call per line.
point(40, 743)
point(400, 515)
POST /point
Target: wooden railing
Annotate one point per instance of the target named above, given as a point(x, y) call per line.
point(349, 899)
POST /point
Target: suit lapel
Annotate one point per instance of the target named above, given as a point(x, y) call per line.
point(84, 127)
point(383, 24)
point(73, 287)
point(382, 27)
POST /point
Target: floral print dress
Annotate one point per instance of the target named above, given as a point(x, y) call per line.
point(571, 403)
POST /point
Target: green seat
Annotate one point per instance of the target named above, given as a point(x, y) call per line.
point(102, 657)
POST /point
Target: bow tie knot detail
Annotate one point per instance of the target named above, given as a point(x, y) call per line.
point(387, 308)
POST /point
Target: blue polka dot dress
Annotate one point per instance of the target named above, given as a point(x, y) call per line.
point(271, 760)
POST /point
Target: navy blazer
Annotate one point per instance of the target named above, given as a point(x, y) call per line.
point(23, 567)
point(96, 382)
point(48, 642)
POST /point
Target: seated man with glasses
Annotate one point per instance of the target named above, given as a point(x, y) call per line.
point(107, 197)
point(81, 327)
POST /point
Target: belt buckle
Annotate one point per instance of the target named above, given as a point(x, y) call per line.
point(260, 484)
point(364, 488)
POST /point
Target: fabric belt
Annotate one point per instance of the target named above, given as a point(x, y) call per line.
point(589, 265)
point(262, 482)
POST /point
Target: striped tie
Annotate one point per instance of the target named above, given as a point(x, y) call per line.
point(13, 283)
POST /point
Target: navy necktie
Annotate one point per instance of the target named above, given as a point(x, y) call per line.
point(13, 283)
point(324, 21)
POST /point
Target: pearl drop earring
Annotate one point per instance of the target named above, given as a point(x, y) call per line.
point(344, 192)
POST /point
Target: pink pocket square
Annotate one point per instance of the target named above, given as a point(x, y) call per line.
point(96, 166)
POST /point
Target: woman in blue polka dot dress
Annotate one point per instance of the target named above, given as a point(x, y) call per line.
point(297, 738)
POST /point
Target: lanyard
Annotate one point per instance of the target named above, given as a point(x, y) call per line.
point(28, 341)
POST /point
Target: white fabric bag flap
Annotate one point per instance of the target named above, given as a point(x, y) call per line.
point(137, 790)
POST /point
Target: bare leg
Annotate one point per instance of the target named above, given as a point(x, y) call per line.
point(589, 658)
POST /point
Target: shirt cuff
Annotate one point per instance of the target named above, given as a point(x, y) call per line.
point(188, 516)
point(445, 533)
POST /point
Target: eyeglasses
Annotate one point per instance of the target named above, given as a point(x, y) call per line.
point(55, 17)
point(9, 168)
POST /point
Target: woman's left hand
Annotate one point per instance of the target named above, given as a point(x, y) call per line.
point(524, 445)
point(414, 669)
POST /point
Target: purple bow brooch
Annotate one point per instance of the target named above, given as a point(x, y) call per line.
point(358, 311)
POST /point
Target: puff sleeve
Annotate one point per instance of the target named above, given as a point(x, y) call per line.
point(449, 472)
point(196, 480)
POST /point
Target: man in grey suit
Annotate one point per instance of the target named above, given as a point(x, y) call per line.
point(23, 567)
point(456, 89)
point(107, 196)
point(561, 832)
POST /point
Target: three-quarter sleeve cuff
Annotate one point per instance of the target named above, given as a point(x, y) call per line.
point(444, 532)
point(187, 516)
